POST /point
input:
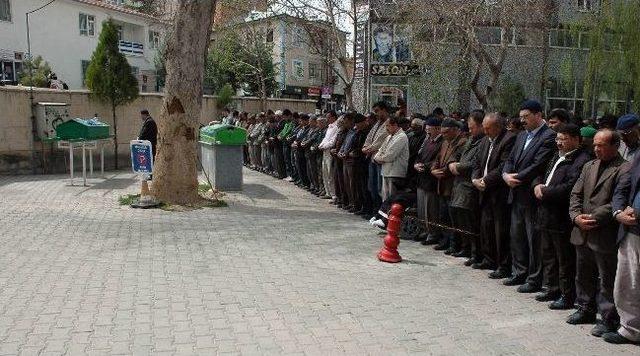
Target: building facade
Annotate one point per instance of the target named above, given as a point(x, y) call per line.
point(303, 70)
point(536, 59)
point(65, 34)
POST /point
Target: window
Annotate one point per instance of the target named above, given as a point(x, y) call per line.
point(298, 69)
point(87, 25)
point(489, 35)
point(84, 65)
point(563, 38)
point(5, 10)
point(298, 37)
point(154, 39)
point(269, 36)
point(586, 5)
point(314, 71)
point(119, 29)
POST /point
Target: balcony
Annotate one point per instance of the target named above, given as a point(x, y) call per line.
point(131, 48)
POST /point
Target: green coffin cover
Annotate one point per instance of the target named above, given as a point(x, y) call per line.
point(82, 129)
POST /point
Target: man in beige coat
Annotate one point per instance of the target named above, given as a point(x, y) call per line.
point(393, 155)
point(595, 233)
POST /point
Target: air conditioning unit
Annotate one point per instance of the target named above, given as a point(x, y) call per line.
point(48, 116)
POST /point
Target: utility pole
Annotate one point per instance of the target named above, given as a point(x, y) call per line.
point(34, 125)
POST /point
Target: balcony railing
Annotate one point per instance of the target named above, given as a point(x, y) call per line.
point(131, 48)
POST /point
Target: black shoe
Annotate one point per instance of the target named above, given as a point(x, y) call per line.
point(499, 274)
point(421, 237)
point(450, 251)
point(562, 303)
point(602, 328)
point(462, 253)
point(528, 288)
point(615, 338)
point(440, 247)
point(431, 240)
point(470, 262)
point(514, 281)
point(581, 317)
point(548, 296)
point(483, 265)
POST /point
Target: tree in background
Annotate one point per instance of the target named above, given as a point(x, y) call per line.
point(457, 33)
point(41, 71)
point(612, 73)
point(225, 96)
point(109, 76)
point(242, 59)
point(323, 31)
point(175, 178)
point(509, 97)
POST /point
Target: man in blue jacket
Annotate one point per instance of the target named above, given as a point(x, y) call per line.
point(533, 149)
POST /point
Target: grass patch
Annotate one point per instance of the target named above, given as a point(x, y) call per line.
point(203, 188)
point(128, 199)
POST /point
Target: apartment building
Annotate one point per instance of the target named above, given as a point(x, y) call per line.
point(65, 33)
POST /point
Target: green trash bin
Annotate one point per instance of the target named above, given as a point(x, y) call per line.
point(221, 150)
point(221, 134)
point(82, 129)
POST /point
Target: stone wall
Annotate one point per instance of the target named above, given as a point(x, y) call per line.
point(17, 147)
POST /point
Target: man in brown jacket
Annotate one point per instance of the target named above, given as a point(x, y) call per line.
point(450, 151)
point(594, 235)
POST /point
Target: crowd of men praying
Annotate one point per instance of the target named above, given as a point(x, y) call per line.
point(547, 203)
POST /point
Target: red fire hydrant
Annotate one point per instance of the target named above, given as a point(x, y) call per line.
point(389, 252)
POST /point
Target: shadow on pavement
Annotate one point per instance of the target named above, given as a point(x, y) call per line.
point(260, 191)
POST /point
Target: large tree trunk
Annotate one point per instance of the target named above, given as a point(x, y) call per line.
point(348, 95)
point(176, 170)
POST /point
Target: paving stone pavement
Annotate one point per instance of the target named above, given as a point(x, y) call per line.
point(277, 272)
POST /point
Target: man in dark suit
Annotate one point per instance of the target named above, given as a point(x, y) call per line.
point(427, 197)
point(533, 149)
point(552, 191)
point(494, 150)
point(595, 235)
point(626, 209)
point(464, 196)
point(149, 130)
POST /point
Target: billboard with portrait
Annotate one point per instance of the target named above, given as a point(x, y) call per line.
point(381, 43)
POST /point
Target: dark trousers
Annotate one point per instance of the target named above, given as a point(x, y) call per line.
point(494, 226)
point(279, 164)
point(559, 261)
point(444, 218)
point(433, 213)
point(361, 177)
point(312, 169)
point(374, 184)
point(350, 183)
point(288, 165)
point(338, 177)
point(595, 276)
point(526, 246)
point(301, 167)
point(467, 220)
point(293, 157)
point(319, 180)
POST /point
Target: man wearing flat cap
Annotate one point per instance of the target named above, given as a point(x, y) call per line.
point(427, 197)
point(629, 128)
point(450, 151)
point(532, 150)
